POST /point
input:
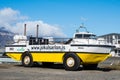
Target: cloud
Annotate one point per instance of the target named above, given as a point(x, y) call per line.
point(83, 19)
point(9, 16)
point(13, 20)
point(44, 29)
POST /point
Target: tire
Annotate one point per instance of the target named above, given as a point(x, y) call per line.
point(27, 60)
point(47, 64)
point(90, 66)
point(71, 62)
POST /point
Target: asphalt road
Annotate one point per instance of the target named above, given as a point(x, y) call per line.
point(55, 72)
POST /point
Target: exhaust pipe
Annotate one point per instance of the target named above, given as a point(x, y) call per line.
point(37, 33)
point(24, 29)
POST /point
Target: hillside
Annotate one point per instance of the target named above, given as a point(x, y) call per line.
point(5, 37)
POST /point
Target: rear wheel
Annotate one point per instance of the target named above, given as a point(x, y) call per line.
point(27, 60)
point(71, 62)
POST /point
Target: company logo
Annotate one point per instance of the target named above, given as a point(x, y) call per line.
point(11, 49)
point(21, 49)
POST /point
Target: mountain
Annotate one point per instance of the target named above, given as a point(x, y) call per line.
point(5, 37)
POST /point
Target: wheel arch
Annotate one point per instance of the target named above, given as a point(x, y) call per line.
point(67, 53)
point(24, 53)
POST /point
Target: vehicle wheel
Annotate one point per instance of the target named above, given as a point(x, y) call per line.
point(90, 66)
point(27, 60)
point(71, 62)
point(47, 64)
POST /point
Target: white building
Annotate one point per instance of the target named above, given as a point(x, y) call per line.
point(112, 38)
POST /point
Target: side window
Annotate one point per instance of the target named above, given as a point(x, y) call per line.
point(78, 36)
point(115, 51)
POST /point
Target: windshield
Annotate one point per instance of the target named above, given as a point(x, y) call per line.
point(78, 36)
point(85, 36)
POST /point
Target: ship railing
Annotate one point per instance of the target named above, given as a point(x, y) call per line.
point(43, 41)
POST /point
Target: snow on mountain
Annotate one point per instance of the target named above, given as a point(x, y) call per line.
point(5, 37)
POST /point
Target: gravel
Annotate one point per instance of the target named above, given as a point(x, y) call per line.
point(105, 71)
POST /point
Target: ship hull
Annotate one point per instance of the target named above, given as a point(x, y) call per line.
point(55, 53)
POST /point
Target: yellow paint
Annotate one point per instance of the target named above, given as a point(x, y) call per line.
point(15, 56)
point(87, 58)
point(48, 57)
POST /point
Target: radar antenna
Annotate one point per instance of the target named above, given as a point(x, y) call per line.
point(82, 26)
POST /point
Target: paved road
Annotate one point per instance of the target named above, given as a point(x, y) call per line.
point(56, 72)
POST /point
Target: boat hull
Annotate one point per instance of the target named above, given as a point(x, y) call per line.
point(87, 58)
point(89, 54)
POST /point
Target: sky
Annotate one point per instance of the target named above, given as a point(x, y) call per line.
point(60, 18)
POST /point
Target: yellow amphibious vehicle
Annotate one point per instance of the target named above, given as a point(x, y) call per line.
point(83, 49)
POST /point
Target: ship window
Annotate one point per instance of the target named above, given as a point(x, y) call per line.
point(92, 36)
point(119, 51)
point(87, 36)
point(78, 36)
point(115, 51)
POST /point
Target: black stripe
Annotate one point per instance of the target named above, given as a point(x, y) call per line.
point(71, 45)
point(15, 45)
point(87, 45)
point(68, 52)
point(91, 53)
point(13, 52)
point(57, 52)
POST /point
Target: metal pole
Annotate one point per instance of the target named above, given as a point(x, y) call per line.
point(37, 31)
point(24, 29)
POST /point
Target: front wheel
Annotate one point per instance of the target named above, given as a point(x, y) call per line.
point(27, 60)
point(71, 62)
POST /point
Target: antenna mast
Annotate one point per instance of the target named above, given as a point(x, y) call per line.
point(82, 26)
